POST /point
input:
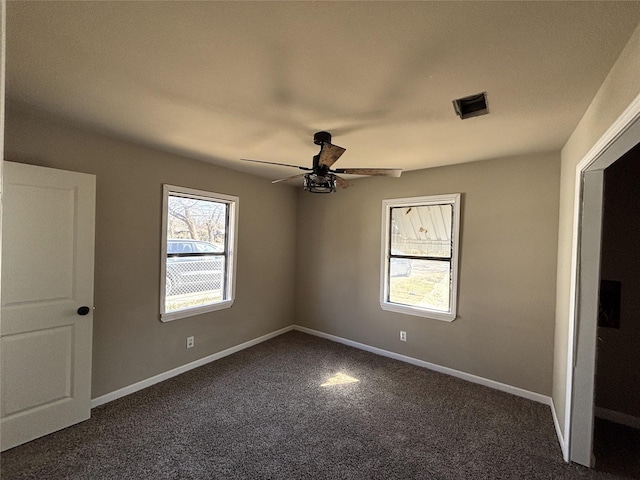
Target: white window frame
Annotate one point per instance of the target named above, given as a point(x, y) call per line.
point(231, 247)
point(448, 199)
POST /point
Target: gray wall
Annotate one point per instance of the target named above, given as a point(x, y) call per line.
point(617, 92)
point(506, 297)
point(507, 266)
point(130, 342)
point(618, 375)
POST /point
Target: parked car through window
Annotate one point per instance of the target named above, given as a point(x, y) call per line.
point(189, 272)
point(198, 252)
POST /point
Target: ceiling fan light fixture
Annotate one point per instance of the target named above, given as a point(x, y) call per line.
point(320, 183)
point(471, 106)
point(321, 177)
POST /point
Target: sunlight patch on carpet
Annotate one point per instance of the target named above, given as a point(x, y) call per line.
point(339, 379)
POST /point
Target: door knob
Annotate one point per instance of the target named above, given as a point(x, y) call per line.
point(83, 310)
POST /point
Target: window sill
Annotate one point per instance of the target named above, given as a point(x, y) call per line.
point(190, 312)
point(418, 312)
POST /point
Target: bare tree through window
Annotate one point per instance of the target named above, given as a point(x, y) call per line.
point(197, 266)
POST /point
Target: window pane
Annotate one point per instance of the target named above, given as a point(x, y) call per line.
point(194, 281)
point(420, 283)
point(196, 219)
point(195, 226)
point(200, 238)
point(421, 230)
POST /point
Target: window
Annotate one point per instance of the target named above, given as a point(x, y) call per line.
point(198, 252)
point(420, 256)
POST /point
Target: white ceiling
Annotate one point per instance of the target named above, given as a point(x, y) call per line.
point(220, 81)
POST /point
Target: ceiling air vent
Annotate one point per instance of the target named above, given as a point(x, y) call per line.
point(471, 106)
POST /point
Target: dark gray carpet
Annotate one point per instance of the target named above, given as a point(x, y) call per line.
point(263, 414)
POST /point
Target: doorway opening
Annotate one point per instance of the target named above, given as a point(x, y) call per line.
point(623, 137)
point(617, 386)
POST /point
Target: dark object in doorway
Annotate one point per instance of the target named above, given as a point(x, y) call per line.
point(609, 307)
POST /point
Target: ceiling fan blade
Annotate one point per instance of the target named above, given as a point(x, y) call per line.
point(388, 172)
point(274, 163)
point(329, 154)
point(289, 178)
point(342, 182)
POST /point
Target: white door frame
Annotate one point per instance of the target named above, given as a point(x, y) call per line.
point(623, 135)
point(3, 54)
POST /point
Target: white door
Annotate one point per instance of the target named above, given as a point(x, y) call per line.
point(47, 276)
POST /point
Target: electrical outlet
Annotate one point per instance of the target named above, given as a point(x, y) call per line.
point(403, 335)
point(191, 342)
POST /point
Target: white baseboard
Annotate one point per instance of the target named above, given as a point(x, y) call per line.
point(617, 417)
point(564, 445)
point(536, 397)
point(184, 368)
